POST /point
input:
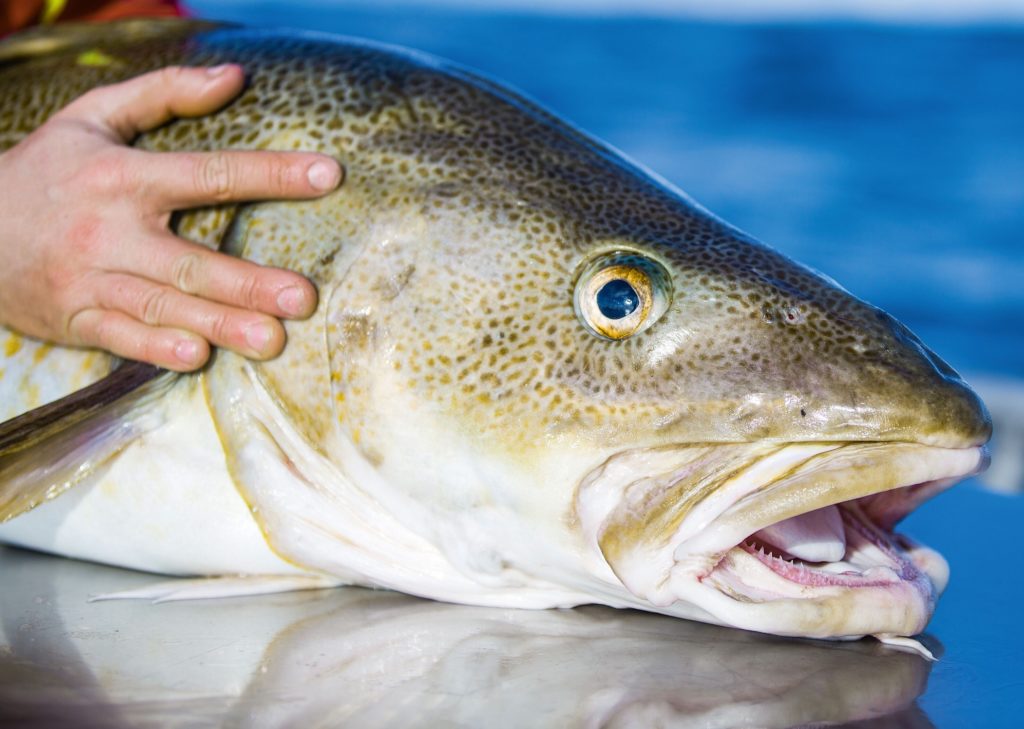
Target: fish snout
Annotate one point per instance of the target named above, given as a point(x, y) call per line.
point(938, 406)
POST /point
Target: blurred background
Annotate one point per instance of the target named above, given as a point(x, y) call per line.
point(880, 141)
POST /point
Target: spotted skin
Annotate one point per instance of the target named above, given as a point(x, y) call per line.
point(452, 251)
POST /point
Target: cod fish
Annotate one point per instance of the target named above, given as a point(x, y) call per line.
point(538, 376)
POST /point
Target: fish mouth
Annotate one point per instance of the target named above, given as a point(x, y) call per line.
point(792, 539)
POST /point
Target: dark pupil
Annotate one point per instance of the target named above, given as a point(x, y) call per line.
point(617, 299)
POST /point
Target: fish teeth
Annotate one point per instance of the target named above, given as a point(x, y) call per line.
point(816, 536)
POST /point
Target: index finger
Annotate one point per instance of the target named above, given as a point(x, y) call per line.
point(179, 180)
point(147, 101)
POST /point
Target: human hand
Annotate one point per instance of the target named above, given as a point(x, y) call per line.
point(86, 254)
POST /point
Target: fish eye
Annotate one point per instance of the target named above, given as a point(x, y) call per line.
point(620, 294)
point(617, 299)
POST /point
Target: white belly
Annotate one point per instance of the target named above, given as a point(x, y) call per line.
point(165, 504)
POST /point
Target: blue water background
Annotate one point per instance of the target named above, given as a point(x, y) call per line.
point(890, 157)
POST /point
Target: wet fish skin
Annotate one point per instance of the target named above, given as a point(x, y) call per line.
point(428, 146)
point(446, 369)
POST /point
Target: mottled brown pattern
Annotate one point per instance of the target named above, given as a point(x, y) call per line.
point(448, 260)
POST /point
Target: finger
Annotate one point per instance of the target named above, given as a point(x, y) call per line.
point(248, 333)
point(131, 339)
point(196, 270)
point(149, 100)
point(179, 180)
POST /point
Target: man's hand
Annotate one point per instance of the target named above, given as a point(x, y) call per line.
point(86, 255)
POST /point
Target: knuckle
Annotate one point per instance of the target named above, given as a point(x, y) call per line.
point(153, 305)
point(91, 96)
point(215, 176)
point(74, 327)
point(283, 176)
point(58, 278)
point(151, 349)
point(187, 272)
point(89, 100)
point(220, 328)
point(97, 330)
point(104, 174)
point(70, 294)
point(247, 291)
point(169, 76)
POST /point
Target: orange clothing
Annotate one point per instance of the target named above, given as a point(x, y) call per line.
point(18, 14)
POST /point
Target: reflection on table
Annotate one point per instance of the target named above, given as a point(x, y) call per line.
point(354, 657)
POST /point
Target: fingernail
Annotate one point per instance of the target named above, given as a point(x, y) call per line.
point(292, 301)
point(324, 175)
point(187, 351)
point(257, 336)
point(215, 71)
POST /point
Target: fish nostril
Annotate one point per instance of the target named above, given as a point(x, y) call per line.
point(794, 315)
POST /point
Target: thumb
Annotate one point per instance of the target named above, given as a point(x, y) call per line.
point(147, 101)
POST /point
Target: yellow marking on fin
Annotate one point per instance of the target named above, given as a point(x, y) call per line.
point(40, 354)
point(96, 57)
point(87, 364)
point(52, 10)
point(12, 346)
point(31, 396)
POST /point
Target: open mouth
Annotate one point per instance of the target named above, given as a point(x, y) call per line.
point(852, 544)
point(794, 539)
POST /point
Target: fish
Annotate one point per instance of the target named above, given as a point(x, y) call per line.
point(538, 376)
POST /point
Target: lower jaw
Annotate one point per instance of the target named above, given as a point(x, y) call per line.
point(886, 592)
point(901, 609)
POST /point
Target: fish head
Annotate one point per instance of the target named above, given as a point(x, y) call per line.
point(796, 425)
point(535, 324)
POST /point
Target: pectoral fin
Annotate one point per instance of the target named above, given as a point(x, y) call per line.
point(46, 451)
point(210, 588)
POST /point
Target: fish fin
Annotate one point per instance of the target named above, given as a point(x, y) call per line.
point(903, 643)
point(46, 451)
point(211, 588)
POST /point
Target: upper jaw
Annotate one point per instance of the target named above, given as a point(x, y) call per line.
point(670, 522)
point(837, 473)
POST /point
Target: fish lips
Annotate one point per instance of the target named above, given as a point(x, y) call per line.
point(687, 533)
